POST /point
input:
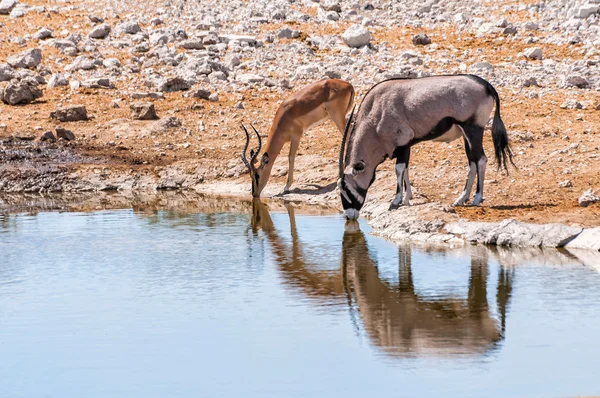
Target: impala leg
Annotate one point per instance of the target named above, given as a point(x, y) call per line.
point(294, 143)
point(402, 155)
point(473, 137)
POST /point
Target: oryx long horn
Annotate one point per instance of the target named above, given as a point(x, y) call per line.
point(244, 159)
point(344, 137)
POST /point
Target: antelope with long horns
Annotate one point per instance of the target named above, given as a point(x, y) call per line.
point(326, 99)
point(396, 114)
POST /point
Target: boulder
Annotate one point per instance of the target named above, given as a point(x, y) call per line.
point(533, 53)
point(7, 73)
point(56, 80)
point(586, 10)
point(70, 114)
point(48, 136)
point(249, 78)
point(22, 91)
point(65, 134)
point(100, 31)
point(421, 39)
point(26, 59)
point(42, 34)
point(588, 197)
point(287, 33)
point(143, 111)
point(588, 239)
point(172, 84)
point(98, 82)
point(577, 81)
point(192, 44)
point(130, 28)
point(356, 36)
point(81, 63)
point(6, 6)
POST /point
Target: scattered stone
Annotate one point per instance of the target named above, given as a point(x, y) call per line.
point(249, 78)
point(172, 84)
point(482, 66)
point(48, 136)
point(586, 10)
point(98, 82)
point(510, 30)
point(19, 92)
point(111, 63)
point(287, 33)
point(565, 184)
point(43, 34)
point(192, 44)
point(81, 63)
point(70, 114)
point(200, 94)
point(65, 134)
point(531, 26)
point(530, 82)
point(24, 136)
point(214, 97)
point(239, 105)
point(7, 73)
point(6, 6)
point(356, 36)
point(577, 81)
point(26, 59)
point(56, 80)
point(130, 28)
point(571, 104)
point(421, 39)
point(143, 111)
point(588, 197)
point(533, 53)
point(141, 95)
point(100, 31)
point(96, 19)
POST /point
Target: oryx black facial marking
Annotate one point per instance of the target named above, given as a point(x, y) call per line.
point(399, 113)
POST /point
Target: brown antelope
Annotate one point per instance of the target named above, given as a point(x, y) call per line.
point(326, 99)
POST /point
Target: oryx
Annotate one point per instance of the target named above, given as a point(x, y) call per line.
point(398, 113)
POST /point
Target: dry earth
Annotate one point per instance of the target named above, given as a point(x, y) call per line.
point(200, 148)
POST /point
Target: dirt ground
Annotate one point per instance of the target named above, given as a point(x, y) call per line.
point(551, 145)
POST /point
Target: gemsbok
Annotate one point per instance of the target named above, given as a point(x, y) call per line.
point(396, 114)
point(326, 99)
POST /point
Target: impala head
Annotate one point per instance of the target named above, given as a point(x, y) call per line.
point(256, 171)
point(356, 177)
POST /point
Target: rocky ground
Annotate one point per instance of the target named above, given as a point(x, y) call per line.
point(124, 95)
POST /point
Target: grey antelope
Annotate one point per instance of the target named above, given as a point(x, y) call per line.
point(317, 102)
point(396, 114)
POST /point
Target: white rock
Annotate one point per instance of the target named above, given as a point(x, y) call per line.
point(56, 80)
point(81, 63)
point(249, 78)
point(130, 28)
point(356, 36)
point(586, 10)
point(531, 26)
point(588, 239)
point(6, 73)
point(482, 65)
point(100, 31)
point(533, 53)
point(588, 197)
point(42, 34)
point(6, 6)
point(27, 59)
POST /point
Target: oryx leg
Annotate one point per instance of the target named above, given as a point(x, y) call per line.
point(402, 155)
point(473, 137)
point(294, 143)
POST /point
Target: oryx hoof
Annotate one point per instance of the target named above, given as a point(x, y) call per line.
point(395, 206)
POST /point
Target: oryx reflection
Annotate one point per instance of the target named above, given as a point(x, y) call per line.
point(395, 317)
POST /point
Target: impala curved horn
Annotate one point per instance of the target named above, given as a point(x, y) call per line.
point(244, 159)
point(259, 145)
point(344, 138)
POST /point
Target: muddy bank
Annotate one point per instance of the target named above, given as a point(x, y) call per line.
point(94, 183)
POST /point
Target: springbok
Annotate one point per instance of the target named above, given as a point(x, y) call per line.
point(396, 114)
point(326, 99)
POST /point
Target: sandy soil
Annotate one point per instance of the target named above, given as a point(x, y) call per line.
point(551, 144)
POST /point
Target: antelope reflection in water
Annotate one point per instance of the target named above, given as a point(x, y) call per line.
point(396, 318)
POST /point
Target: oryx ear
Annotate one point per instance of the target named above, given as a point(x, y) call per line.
point(264, 161)
point(358, 167)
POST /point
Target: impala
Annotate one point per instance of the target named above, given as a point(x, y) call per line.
point(326, 99)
